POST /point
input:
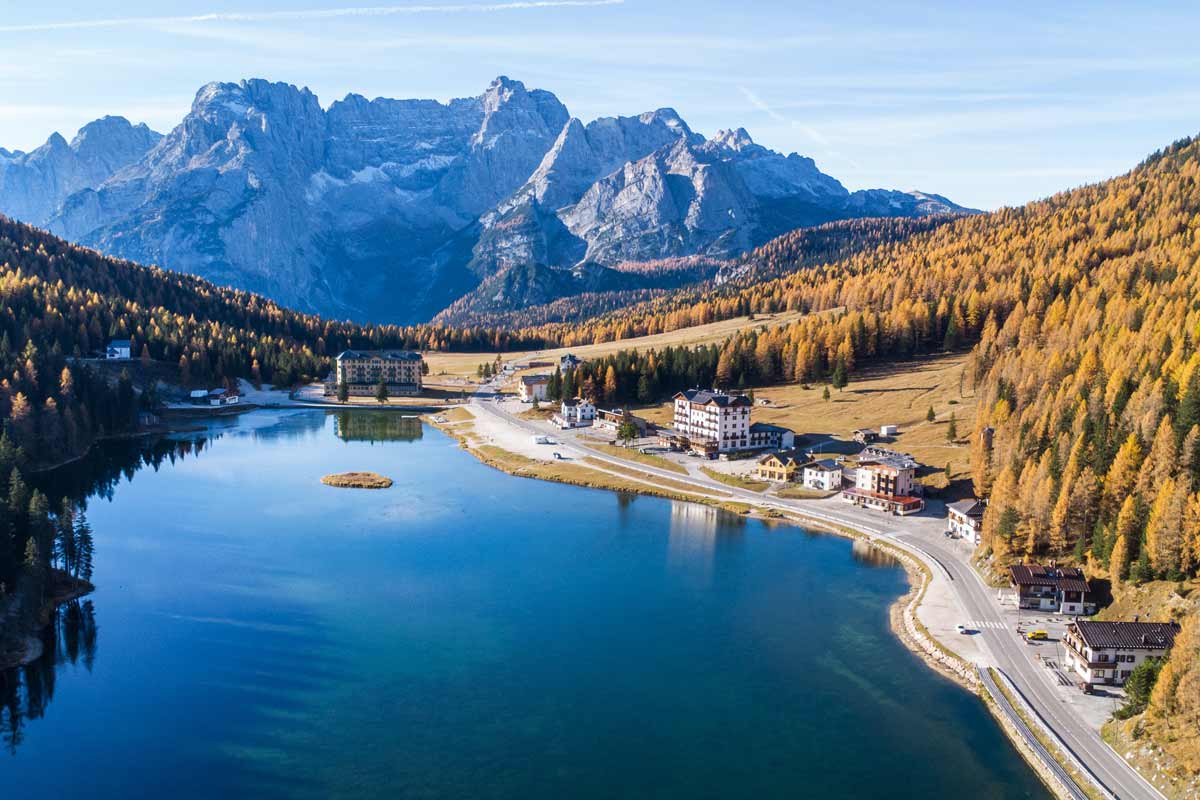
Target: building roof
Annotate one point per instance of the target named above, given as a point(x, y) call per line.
point(120, 343)
point(968, 508)
point(1128, 635)
point(766, 427)
point(533, 380)
point(1067, 579)
point(390, 355)
point(824, 465)
point(889, 457)
point(704, 397)
point(784, 457)
point(569, 358)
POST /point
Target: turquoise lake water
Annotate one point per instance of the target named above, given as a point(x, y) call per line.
point(467, 634)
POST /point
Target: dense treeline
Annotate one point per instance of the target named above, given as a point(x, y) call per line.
point(630, 376)
point(62, 303)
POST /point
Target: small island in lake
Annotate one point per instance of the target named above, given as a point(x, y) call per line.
point(357, 480)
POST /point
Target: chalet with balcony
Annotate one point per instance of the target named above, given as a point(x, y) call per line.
point(782, 467)
point(1062, 590)
point(824, 475)
point(1107, 652)
point(965, 519)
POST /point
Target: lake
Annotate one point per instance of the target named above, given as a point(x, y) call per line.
point(466, 634)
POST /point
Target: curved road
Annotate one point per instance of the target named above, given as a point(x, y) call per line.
point(923, 535)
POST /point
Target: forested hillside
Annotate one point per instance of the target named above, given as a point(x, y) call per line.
point(1083, 312)
point(62, 302)
point(602, 316)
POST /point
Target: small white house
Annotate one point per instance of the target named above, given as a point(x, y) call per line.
point(119, 350)
point(824, 475)
point(889, 430)
point(575, 412)
point(533, 387)
point(965, 519)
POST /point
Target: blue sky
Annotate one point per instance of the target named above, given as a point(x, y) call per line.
point(989, 104)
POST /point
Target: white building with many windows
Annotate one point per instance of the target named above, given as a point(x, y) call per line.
point(533, 387)
point(713, 421)
point(363, 370)
point(1107, 652)
point(575, 412)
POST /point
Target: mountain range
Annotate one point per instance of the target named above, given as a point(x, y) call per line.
point(392, 210)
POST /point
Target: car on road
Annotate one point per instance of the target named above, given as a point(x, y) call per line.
point(1037, 636)
point(558, 456)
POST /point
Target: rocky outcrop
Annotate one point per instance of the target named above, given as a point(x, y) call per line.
point(391, 210)
point(33, 185)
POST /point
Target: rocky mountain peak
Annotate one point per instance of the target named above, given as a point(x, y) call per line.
point(391, 209)
point(737, 139)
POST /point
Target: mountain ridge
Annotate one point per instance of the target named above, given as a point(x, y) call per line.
point(392, 210)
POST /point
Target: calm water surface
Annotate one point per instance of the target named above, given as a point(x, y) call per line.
point(467, 634)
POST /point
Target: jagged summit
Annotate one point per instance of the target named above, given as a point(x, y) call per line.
point(391, 209)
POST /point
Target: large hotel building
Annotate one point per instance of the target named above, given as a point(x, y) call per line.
point(362, 370)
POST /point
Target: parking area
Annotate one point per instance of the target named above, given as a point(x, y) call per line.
point(1051, 653)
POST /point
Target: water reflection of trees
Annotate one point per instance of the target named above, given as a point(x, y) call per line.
point(375, 426)
point(869, 555)
point(70, 637)
point(26, 691)
point(101, 470)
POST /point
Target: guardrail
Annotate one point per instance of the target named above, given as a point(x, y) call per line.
point(1051, 763)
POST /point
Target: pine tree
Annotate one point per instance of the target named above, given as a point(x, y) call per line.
point(381, 392)
point(1128, 534)
point(930, 416)
point(825, 394)
point(1122, 476)
point(839, 379)
point(84, 546)
point(343, 392)
point(1164, 529)
point(1162, 461)
point(952, 428)
point(610, 385)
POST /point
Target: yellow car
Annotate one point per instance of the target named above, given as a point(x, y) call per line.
point(1037, 636)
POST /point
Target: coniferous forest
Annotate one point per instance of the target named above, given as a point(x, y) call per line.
point(1081, 313)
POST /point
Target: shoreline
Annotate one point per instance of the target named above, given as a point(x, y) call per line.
point(902, 613)
point(31, 645)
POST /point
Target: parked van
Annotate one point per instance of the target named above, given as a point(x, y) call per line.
point(1037, 636)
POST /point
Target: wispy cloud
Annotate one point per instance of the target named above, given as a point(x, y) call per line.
point(307, 15)
point(762, 106)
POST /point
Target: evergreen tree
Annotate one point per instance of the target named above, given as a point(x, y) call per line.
point(343, 392)
point(839, 379)
point(381, 392)
point(952, 428)
point(84, 547)
point(930, 416)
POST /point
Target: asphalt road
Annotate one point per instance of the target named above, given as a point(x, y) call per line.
point(922, 533)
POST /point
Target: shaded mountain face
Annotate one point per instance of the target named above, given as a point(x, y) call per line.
point(33, 185)
point(392, 210)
